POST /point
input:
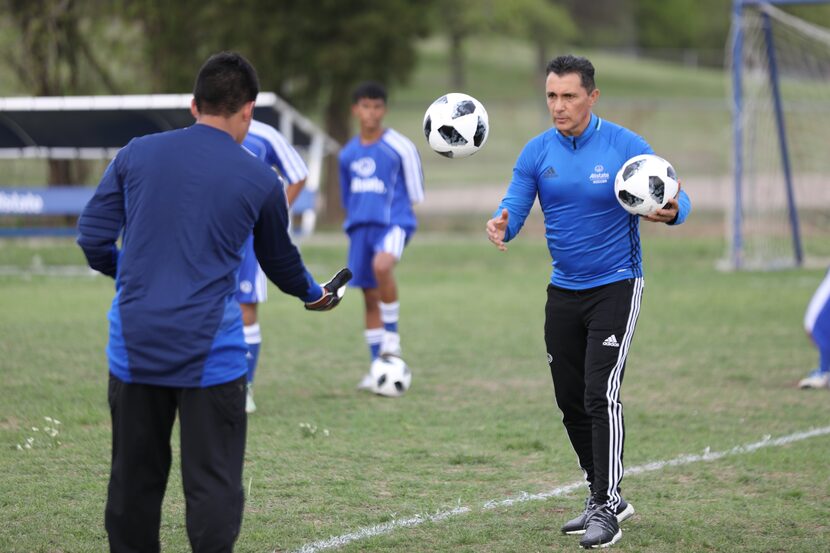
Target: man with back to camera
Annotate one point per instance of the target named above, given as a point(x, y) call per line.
point(183, 203)
point(268, 144)
point(597, 282)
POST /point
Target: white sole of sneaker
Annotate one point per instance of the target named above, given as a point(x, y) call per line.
point(614, 540)
point(626, 514)
point(811, 386)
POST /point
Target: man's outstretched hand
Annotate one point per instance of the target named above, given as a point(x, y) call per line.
point(496, 228)
point(333, 292)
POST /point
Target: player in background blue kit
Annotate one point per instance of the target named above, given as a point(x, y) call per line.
point(817, 325)
point(269, 145)
point(183, 203)
point(597, 281)
point(380, 180)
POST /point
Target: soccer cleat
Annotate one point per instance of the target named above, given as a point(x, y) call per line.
point(816, 379)
point(576, 526)
point(250, 406)
point(601, 528)
point(367, 383)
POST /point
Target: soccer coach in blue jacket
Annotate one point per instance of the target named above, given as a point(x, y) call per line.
point(183, 203)
point(596, 286)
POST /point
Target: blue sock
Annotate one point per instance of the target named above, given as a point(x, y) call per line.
point(253, 339)
point(252, 357)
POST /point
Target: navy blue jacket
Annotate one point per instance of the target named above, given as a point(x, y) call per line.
point(183, 202)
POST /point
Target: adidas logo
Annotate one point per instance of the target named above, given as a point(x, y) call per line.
point(611, 341)
point(549, 173)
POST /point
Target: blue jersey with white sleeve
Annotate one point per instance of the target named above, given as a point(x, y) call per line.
point(269, 145)
point(379, 182)
point(183, 203)
point(591, 238)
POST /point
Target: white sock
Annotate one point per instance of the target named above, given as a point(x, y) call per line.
point(389, 313)
point(252, 334)
point(373, 336)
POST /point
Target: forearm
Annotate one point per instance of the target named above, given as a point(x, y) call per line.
point(289, 274)
point(100, 225)
point(293, 190)
point(278, 256)
point(684, 207)
point(101, 256)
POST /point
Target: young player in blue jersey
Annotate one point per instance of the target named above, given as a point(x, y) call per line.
point(269, 145)
point(593, 298)
point(817, 325)
point(380, 180)
point(183, 203)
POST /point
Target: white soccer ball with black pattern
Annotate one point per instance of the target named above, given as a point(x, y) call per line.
point(456, 125)
point(391, 376)
point(645, 183)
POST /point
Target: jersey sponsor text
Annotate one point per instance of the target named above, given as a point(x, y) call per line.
point(371, 185)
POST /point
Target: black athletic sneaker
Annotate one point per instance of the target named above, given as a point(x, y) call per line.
point(576, 526)
point(601, 529)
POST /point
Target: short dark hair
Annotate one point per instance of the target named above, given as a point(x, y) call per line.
point(224, 84)
point(563, 65)
point(369, 89)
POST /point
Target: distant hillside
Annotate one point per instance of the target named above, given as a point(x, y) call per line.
point(681, 111)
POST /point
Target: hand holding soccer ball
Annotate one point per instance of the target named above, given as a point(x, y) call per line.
point(647, 184)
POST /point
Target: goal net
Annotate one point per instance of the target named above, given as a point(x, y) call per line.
point(780, 210)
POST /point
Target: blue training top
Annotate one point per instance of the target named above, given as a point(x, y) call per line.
point(269, 145)
point(379, 182)
point(591, 238)
point(184, 202)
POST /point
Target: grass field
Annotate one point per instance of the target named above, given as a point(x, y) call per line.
point(714, 365)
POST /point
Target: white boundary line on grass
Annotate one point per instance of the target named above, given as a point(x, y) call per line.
point(417, 520)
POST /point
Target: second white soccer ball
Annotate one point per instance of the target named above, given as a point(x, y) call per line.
point(456, 125)
point(390, 375)
point(645, 183)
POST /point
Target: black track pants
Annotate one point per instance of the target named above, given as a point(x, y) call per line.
point(213, 425)
point(588, 334)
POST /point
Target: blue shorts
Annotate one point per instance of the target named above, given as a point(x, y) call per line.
point(252, 286)
point(367, 240)
point(817, 318)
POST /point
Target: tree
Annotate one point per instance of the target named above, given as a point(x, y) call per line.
point(311, 53)
point(52, 56)
point(331, 47)
point(602, 23)
point(693, 25)
point(541, 22)
point(459, 19)
point(179, 36)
